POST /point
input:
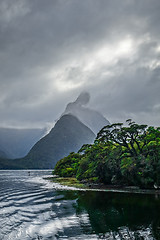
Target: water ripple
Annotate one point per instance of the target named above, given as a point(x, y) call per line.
point(31, 209)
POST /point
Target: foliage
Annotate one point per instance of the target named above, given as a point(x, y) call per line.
point(128, 155)
point(67, 167)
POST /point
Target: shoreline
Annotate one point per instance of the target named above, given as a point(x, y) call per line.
point(87, 186)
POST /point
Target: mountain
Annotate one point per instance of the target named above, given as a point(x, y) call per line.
point(68, 135)
point(78, 125)
point(89, 117)
point(3, 154)
point(16, 143)
point(9, 164)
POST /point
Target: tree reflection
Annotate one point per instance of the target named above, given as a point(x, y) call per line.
point(109, 212)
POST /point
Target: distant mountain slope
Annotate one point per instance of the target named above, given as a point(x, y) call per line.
point(16, 143)
point(77, 125)
point(3, 154)
point(9, 164)
point(68, 135)
point(91, 118)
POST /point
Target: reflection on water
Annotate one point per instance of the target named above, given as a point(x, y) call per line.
point(31, 208)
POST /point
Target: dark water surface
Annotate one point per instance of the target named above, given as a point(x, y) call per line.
point(33, 208)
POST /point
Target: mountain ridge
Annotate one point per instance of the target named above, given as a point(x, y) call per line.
point(89, 117)
point(78, 125)
point(16, 143)
point(68, 135)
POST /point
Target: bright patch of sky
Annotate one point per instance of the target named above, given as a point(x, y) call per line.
point(50, 51)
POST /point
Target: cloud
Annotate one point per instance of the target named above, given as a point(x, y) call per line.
point(51, 51)
point(12, 9)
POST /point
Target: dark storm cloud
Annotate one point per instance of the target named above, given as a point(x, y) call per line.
point(50, 51)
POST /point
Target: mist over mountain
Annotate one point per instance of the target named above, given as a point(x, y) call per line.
point(91, 118)
point(78, 125)
point(16, 143)
point(68, 135)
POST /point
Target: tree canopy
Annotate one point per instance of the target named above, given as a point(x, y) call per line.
point(121, 154)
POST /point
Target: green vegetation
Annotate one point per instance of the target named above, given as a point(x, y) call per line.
point(67, 181)
point(120, 155)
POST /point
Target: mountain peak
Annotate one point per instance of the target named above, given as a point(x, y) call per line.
point(91, 118)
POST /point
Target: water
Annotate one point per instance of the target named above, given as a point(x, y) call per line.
point(33, 208)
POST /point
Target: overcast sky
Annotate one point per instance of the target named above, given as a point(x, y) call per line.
point(52, 50)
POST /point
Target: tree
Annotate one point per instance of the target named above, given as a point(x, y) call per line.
point(128, 155)
point(130, 138)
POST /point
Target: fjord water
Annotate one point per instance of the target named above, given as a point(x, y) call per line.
point(34, 208)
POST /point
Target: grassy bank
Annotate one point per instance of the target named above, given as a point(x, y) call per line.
point(73, 182)
point(67, 181)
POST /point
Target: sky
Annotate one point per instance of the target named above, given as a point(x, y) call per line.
point(52, 50)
